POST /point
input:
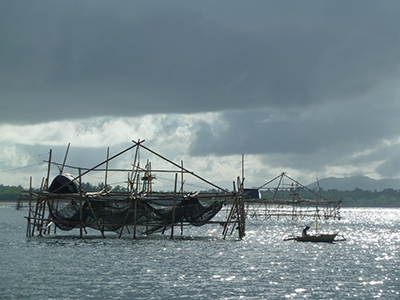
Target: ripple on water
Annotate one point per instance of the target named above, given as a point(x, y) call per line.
point(202, 265)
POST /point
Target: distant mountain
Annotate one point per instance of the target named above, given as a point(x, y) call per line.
point(361, 182)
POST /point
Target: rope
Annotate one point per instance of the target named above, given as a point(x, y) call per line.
point(21, 157)
point(21, 167)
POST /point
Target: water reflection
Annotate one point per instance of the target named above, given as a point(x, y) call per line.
point(201, 264)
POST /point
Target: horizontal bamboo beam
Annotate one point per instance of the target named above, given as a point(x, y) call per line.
point(119, 224)
point(141, 170)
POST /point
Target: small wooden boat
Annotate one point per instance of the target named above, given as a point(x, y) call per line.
point(318, 238)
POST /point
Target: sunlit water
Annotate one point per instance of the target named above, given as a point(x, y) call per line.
point(201, 265)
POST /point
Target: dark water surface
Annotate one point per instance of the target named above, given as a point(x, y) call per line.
point(201, 265)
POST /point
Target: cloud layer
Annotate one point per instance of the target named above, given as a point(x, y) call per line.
point(309, 87)
point(70, 60)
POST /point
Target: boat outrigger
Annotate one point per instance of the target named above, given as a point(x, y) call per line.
point(323, 238)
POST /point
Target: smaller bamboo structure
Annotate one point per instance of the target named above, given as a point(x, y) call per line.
point(286, 202)
point(138, 209)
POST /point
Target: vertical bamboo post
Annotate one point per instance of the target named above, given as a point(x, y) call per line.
point(134, 215)
point(65, 159)
point(105, 180)
point(182, 182)
point(36, 212)
point(147, 175)
point(242, 213)
point(43, 211)
point(132, 180)
point(182, 177)
point(243, 167)
point(236, 208)
point(42, 218)
point(80, 217)
point(35, 216)
point(128, 184)
point(42, 185)
point(55, 227)
point(137, 178)
point(134, 191)
point(231, 213)
point(80, 205)
point(28, 227)
point(173, 208)
point(146, 182)
point(48, 171)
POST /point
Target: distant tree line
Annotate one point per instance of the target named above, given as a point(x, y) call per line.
point(355, 198)
point(88, 187)
point(11, 193)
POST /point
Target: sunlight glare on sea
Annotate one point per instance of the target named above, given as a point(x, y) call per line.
point(201, 265)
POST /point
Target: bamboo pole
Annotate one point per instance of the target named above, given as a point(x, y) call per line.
point(238, 210)
point(106, 174)
point(28, 227)
point(65, 158)
point(270, 181)
point(36, 214)
point(243, 166)
point(80, 206)
point(136, 178)
point(242, 226)
point(173, 208)
point(48, 171)
point(43, 212)
point(80, 218)
point(151, 179)
point(114, 170)
point(235, 208)
point(134, 218)
point(42, 216)
point(231, 213)
point(182, 183)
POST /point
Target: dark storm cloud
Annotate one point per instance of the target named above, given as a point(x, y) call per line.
point(70, 59)
point(339, 129)
point(391, 162)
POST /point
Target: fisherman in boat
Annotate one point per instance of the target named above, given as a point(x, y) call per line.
point(304, 233)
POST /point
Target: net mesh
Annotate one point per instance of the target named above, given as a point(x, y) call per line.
point(110, 213)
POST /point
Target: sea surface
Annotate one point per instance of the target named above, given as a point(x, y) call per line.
point(200, 264)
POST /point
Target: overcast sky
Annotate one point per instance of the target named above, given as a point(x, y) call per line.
point(310, 88)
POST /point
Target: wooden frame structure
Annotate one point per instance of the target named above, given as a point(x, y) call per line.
point(134, 203)
point(286, 201)
point(43, 204)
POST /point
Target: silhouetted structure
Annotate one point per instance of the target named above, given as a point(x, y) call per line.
point(286, 201)
point(137, 210)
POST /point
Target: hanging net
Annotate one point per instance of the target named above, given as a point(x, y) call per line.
point(70, 207)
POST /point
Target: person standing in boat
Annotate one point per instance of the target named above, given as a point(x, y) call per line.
point(304, 233)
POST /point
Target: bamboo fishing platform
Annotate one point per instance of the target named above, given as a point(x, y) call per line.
point(138, 209)
point(282, 197)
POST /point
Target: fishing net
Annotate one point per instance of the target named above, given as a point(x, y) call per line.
point(108, 212)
